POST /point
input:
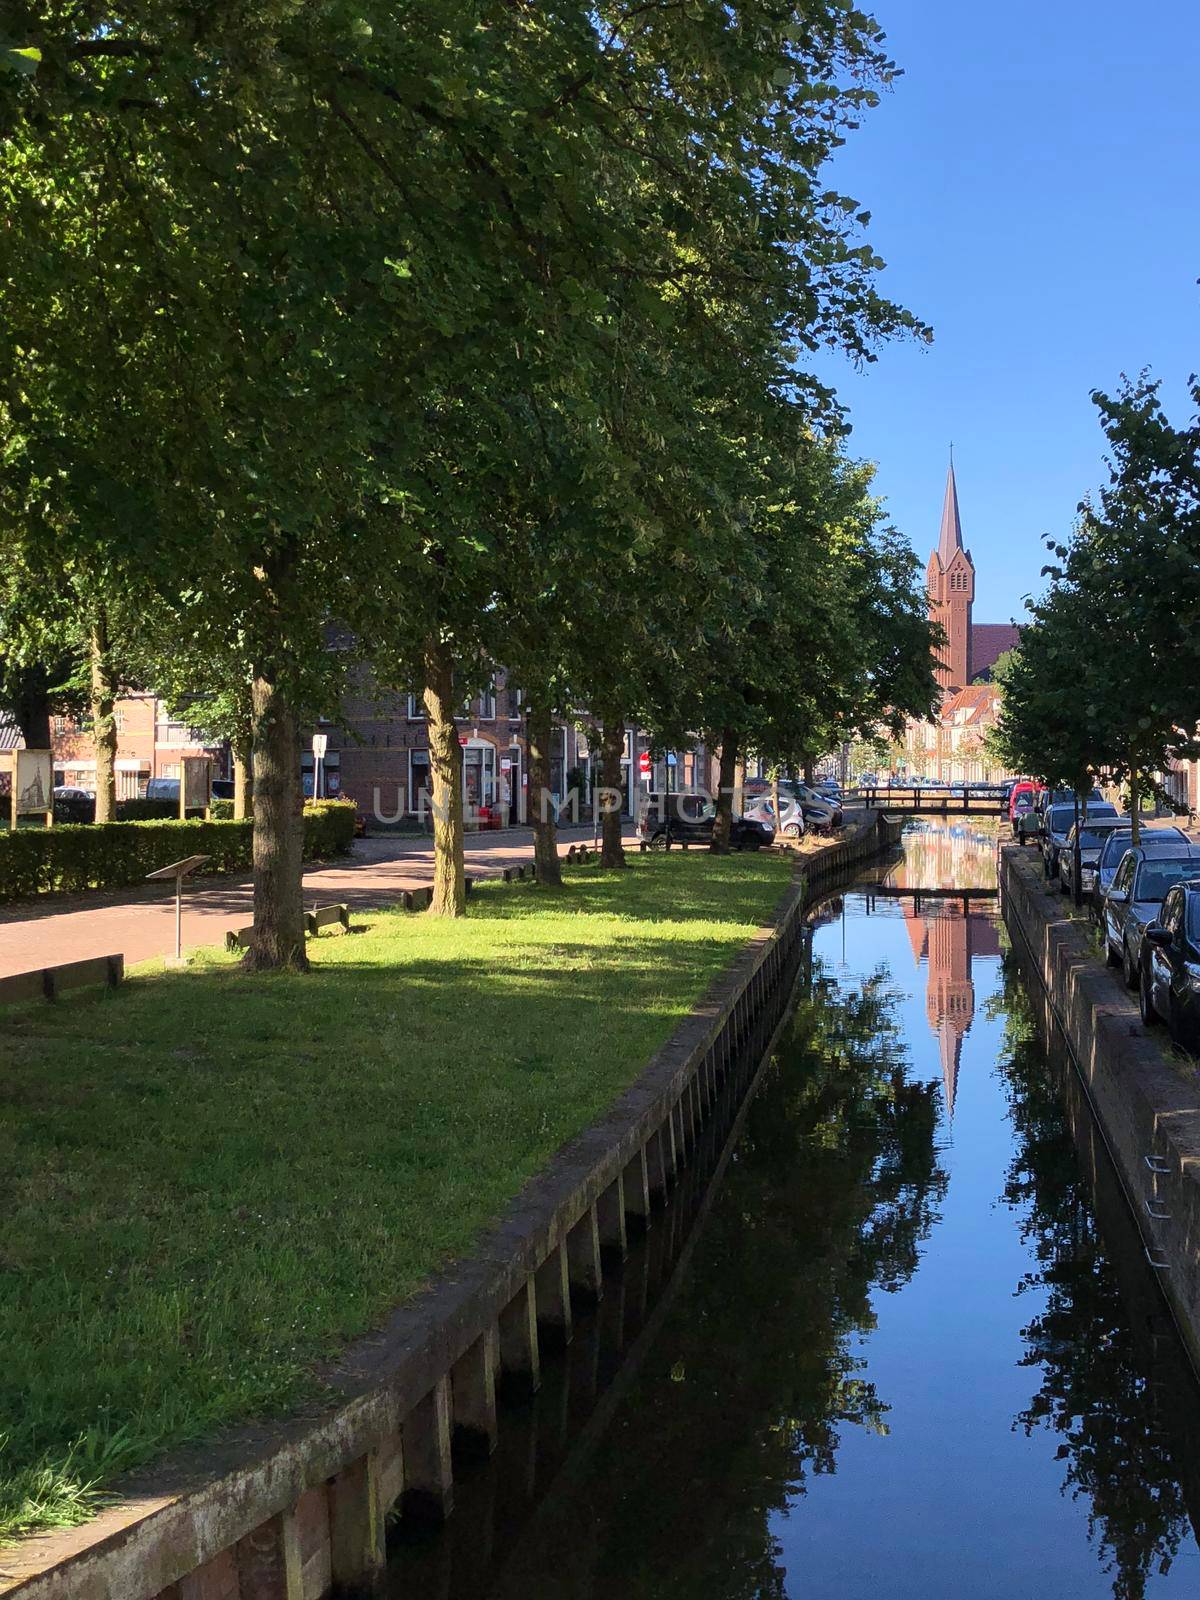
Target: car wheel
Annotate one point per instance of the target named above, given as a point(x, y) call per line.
point(1127, 967)
point(1145, 1003)
point(791, 830)
point(659, 842)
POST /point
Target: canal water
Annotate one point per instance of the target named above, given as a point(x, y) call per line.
point(901, 1342)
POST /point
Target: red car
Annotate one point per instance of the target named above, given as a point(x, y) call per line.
point(1022, 799)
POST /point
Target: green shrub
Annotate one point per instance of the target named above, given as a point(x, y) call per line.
point(142, 810)
point(115, 855)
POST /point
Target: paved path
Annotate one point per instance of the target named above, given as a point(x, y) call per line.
point(140, 923)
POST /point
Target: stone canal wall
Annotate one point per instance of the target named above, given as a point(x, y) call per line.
point(296, 1510)
point(1146, 1100)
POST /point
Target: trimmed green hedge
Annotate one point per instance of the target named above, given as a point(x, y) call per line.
point(114, 855)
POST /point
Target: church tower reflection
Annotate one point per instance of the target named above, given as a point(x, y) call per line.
point(947, 935)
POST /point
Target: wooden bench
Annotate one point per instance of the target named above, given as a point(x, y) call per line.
point(47, 983)
point(327, 917)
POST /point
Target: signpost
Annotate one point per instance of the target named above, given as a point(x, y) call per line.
point(644, 765)
point(178, 870)
point(195, 784)
point(32, 786)
point(320, 745)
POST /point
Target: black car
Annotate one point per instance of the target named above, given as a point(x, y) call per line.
point(668, 819)
point(1057, 822)
point(1169, 990)
point(74, 805)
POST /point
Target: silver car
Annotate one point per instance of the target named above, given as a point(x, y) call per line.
point(1134, 899)
point(762, 809)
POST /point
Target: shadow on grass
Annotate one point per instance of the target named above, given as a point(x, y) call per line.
point(210, 1180)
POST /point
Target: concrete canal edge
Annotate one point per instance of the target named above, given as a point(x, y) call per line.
point(1146, 1103)
point(295, 1510)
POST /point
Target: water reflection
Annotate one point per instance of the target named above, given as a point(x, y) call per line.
point(887, 1353)
point(1113, 1390)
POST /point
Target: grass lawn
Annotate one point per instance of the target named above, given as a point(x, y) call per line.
point(210, 1181)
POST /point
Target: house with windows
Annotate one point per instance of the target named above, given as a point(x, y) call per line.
point(150, 744)
point(377, 753)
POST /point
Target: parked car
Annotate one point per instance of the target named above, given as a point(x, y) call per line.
point(667, 819)
point(1134, 897)
point(1164, 841)
point(222, 788)
point(1169, 980)
point(163, 789)
point(761, 808)
point(1021, 799)
point(1066, 797)
point(1086, 839)
point(1026, 821)
point(1057, 824)
point(820, 811)
point(73, 805)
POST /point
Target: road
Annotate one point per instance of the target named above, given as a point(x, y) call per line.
point(140, 923)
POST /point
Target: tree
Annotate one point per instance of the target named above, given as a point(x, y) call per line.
point(1068, 712)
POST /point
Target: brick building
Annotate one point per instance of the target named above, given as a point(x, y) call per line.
point(150, 744)
point(378, 755)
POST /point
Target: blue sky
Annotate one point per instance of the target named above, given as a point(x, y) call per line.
point(1033, 186)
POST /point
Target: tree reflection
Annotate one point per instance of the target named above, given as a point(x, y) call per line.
point(754, 1378)
point(1097, 1393)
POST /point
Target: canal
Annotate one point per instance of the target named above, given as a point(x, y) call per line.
point(896, 1339)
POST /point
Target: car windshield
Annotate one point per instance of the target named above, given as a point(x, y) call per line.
point(1092, 838)
point(1115, 846)
point(1156, 877)
point(1061, 818)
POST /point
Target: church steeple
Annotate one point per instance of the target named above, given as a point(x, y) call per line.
point(950, 538)
point(950, 577)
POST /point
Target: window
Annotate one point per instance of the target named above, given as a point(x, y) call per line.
point(515, 697)
point(487, 702)
point(419, 783)
point(416, 708)
point(59, 725)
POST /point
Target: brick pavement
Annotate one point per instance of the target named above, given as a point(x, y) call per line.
point(140, 923)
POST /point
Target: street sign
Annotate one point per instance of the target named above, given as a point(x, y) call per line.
point(644, 763)
point(462, 739)
point(671, 758)
point(320, 745)
point(505, 764)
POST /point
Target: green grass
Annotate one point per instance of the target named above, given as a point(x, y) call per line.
point(209, 1182)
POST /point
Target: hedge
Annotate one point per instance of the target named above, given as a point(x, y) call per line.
point(114, 855)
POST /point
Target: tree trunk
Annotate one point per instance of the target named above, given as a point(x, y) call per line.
point(612, 748)
point(1135, 809)
point(31, 705)
point(775, 806)
point(243, 780)
point(104, 721)
point(278, 938)
point(723, 822)
point(445, 770)
point(541, 809)
point(809, 765)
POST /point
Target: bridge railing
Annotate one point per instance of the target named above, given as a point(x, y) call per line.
point(980, 799)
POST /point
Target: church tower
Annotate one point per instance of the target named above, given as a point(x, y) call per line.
point(950, 578)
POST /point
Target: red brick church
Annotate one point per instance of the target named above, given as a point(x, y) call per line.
point(951, 748)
